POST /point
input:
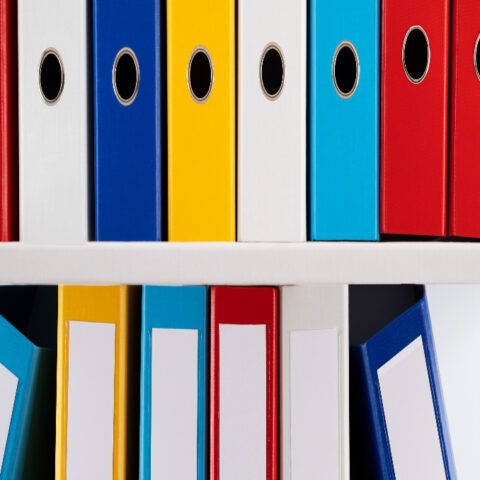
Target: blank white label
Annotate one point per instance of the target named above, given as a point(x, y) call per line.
point(314, 425)
point(8, 390)
point(410, 416)
point(243, 404)
point(174, 404)
point(91, 391)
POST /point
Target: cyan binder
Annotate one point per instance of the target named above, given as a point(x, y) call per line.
point(27, 391)
point(391, 347)
point(171, 310)
point(344, 106)
point(127, 120)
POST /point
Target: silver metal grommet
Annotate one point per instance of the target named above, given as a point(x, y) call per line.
point(272, 71)
point(125, 68)
point(420, 36)
point(345, 85)
point(200, 74)
point(476, 57)
point(51, 76)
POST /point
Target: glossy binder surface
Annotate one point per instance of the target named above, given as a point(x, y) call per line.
point(174, 308)
point(201, 136)
point(8, 122)
point(414, 122)
point(54, 138)
point(367, 360)
point(272, 131)
point(128, 195)
point(344, 132)
point(245, 307)
point(464, 206)
point(116, 305)
point(324, 449)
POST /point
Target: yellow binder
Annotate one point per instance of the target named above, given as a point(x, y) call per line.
point(97, 382)
point(201, 120)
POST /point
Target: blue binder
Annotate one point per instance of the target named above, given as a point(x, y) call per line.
point(371, 454)
point(344, 123)
point(127, 120)
point(174, 308)
point(30, 440)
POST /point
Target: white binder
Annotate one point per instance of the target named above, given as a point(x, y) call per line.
point(314, 427)
point(272, 122)
point(53, 37)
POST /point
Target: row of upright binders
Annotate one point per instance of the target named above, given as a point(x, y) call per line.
point(226, 383)
point(200, 121)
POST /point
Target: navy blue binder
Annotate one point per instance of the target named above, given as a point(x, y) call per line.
point(391, 347)
point(127, 120)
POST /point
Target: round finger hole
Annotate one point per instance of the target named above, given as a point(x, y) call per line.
point(200, 74)
point(51, 76)
point(126, 76)
point(345, 69)
point(476, 57)
point(272, 71)
point(416, 54)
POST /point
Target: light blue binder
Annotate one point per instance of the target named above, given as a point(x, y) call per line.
point(344, 132)
point(30, 439)
point(174, 307)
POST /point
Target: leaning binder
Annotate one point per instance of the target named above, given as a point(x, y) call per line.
point(97, 388)
point(27, 382)
point(27, 386)
point(344, 120)
point(174, 373)
point(127, 107)
point(414, 124)
point(201, 120)
point(464, 200)
point(243, 385)
point(54, 106)
point(272, 66)
point(314, 436)
point(8, 122)
point(398, 422)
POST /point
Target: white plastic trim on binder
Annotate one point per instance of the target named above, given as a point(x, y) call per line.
point(242, 409)
point(410, 416)
point(8, 390)
point(91, 399)
point(272, 124)
point(314, 424)
point(54, 139)
point(314, 414)
point(174, 403)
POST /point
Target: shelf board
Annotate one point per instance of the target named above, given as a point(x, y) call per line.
point(241, 263)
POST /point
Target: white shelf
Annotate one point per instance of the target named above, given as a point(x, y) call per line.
point(241, 263)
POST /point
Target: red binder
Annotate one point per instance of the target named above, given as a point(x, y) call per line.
point(8, 122)
point(244, 308)
point(464, 219)
point(414, 116)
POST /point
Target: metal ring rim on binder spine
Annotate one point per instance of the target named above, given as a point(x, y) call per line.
point(131, 53)
point(45, 54)
point(196, 50)
point(268, 47)
point(348, 44)
point(416, 81)
point(475, 63)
